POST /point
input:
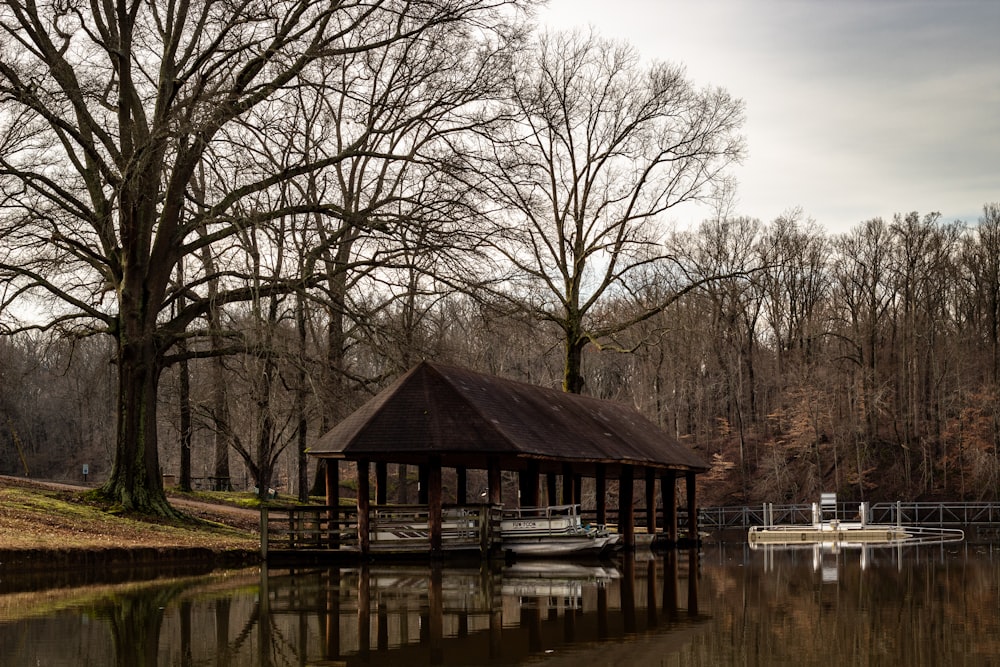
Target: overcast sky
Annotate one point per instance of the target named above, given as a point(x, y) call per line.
point(855, 108)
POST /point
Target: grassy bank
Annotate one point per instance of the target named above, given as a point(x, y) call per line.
point(41, 527)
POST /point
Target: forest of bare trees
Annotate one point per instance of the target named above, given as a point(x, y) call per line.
point(222, 231)
point(864, 362)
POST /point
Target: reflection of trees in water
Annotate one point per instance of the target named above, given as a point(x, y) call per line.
point(916, 606)
point(135, 618)
point(221, 607)
point(272, 646)
point(913, 606)
point(192, 622)
point(136, 622)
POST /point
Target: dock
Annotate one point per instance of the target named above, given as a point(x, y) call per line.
point(319, 533)
point(827, 529)
point(841, 533)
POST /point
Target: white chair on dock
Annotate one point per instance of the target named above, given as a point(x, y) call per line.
point(828, 507)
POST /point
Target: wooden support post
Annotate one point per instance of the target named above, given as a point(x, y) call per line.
point(626, 512)
point(577, 487)
point(364, 504)
point(551, 497)
point(692, 506)
point(461, 486)
point(650, 501)
point(668, 489)
point(435, 502)
point(331, 475)
point(494, 482)
point(434, 494)
point(600, 491)
point(381, 482)
point(567, 485)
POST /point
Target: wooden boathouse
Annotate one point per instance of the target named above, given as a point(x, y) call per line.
point(438, 417)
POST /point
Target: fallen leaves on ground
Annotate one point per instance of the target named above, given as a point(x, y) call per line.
point(32, 518)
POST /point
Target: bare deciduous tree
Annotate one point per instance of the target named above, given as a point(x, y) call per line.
point(599, 149)
point(110, 110)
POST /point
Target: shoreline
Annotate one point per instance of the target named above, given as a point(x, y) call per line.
point(45, 528)
point(35, 569)
point(38, 559)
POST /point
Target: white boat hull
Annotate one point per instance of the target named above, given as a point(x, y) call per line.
point(554, 546)
point(551, 532)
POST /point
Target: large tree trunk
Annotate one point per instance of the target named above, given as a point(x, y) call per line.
point(135, 483)
point(573, 372)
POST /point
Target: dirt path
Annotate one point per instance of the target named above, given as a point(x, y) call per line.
point(237, 517)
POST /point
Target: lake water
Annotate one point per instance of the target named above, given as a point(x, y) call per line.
point(727, 605)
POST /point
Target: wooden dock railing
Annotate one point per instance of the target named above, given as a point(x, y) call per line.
point(391, 528)
point(307, 528)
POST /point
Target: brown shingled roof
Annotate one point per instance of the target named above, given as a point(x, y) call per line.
point(465, 417)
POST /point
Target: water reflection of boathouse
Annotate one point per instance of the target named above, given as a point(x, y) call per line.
point(485, 428)
point(372, 615)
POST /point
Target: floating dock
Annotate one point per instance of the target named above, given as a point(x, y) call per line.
point(836, 533)
point(833, 532)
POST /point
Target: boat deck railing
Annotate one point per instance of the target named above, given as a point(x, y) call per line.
point(544, 512)
point(406, 528)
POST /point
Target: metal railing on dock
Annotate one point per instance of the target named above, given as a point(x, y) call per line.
point(911, 514)
point(936, 514)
